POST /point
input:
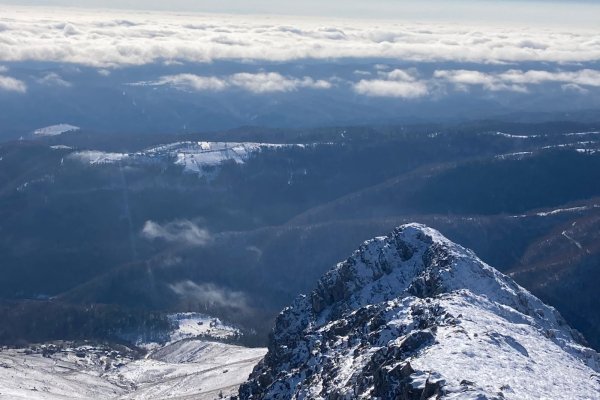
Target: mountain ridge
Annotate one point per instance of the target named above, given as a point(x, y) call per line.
point(414, 315)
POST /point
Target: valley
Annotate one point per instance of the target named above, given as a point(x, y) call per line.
point(188, 230)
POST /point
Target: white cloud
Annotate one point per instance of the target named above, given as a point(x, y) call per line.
point(400, 75)
point(465, 77)
point(107, 39)
point(180, 231)
point(274, 82)
point(586, 77)
point(462, 79)
point(257, 83)
point(210, 295)
point(518, 80)
point(396, 83)
point(389, 88)
point(12, 85)
point(53, 79)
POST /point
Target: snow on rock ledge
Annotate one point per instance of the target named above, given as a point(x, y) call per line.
point(413, 315)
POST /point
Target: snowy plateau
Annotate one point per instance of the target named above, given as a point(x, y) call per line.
point(195, 157)
point(415, 316)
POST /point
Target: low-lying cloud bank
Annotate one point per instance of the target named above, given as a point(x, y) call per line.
point(109, 39)
point(255, 83)
point(397, 83)
point(518, 81)
point(408, 84)
point(10, 84)
point(209, 295)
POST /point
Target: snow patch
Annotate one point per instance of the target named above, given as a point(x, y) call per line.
point(95, 157)
point(565, 210)
point(191, 325)
point(570, 238)
point(55, 130)
point(61, 147)
point(512, 136)
point(517, 155)
point(582, 133)
point(587, 151)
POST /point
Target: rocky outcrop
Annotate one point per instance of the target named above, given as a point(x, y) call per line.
point(415, 316)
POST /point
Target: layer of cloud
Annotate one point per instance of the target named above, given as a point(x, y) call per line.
point(107, 39)
point(518, 80)
point(180, 231)
point(209, 295)
point(383, 88)
point(408, 84)
point(274, 82)
point(462, 79)
point(257, 83)
point(12, 85)
point(397, 83)
point(586, 77)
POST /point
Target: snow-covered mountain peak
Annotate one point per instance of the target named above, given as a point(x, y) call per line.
point(418, 261)
point(414, 315)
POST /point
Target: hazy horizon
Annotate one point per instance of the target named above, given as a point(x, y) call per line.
point(548, 12)
point(290, 70)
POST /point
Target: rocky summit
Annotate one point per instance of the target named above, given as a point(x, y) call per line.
point(413, 315)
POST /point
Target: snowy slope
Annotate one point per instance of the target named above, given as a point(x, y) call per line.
point(196, 156)
point(61, 373)
point(413, 315)
point(187, 366)
point(95, 157)
point(195, 368)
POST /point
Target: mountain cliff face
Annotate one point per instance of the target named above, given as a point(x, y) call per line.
point(415, 316)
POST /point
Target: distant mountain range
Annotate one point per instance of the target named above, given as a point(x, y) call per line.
point(103, 235)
